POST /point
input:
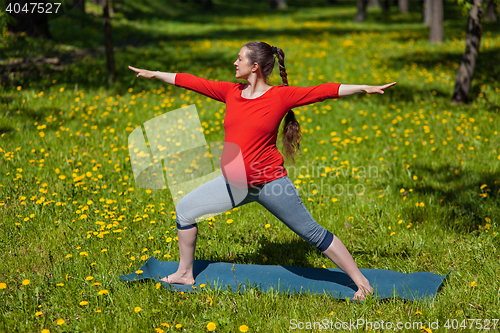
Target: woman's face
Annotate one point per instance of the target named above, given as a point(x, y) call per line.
point(243, 65)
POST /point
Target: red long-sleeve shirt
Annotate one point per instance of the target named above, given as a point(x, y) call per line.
point(253, 124)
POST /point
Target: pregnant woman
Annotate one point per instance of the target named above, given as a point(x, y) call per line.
point(254, 111)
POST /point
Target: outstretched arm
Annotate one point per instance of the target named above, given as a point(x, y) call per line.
point(165, 77)
point(353, 89)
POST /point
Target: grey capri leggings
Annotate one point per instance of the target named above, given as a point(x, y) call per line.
point(279, 196)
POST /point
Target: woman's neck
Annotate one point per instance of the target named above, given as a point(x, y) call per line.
point(256, 87)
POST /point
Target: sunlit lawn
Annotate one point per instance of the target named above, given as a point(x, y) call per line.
point(408, 181)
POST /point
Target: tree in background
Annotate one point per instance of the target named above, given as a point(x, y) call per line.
point(31, 22)
point(108, 40)
point(278, 4)
point(491, 9)
point(436, 30)
point(361, 14)
point(404, 6)
point(385, 5)
point(80, 5)
point(427, 12)
point(472, 43)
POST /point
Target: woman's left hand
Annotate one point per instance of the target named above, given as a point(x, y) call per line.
point(378, 89)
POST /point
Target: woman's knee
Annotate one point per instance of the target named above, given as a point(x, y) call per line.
point(182, 215)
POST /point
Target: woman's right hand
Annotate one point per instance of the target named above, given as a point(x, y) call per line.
point(143, 72)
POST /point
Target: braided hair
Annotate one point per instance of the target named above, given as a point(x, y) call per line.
point(263, 54)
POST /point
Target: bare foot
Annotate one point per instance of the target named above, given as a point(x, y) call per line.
point(363, 292)
point(178, 278)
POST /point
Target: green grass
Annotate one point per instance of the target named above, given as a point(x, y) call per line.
point(429, 170)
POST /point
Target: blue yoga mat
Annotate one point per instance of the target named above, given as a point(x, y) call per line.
point(290, 280)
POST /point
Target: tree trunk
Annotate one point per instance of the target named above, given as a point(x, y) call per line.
point(404, 6)
point(108, 38)
point(80, 5)
point(385, 5)
point(33, 24)
point(491, 11)
point(207, 4)
point(472, 43)
point(427, 12)
point(361, 14)
point(373, 3)
point(278, 4)
point(436, 33)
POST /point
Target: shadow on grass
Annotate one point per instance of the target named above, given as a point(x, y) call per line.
point(158, 48)
point(285, 253)
point(466, 198)
point(487, 69)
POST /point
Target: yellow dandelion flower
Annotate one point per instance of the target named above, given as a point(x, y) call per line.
point(473, 284)
point(89, 278)
point(138, 271)
point(45, 330)
point(210, 300)
point(165, 325)
point(26, 282)
point(335, 199)
point(3, 285)
point(159, 330)
point(425, 329)
point(211, 326)
point(178, 326)
point(84, 254)
point(418, 313)
point(267, 225)
point(229, 221)
point(103, 291)
point(243, 328)
point(83, 303)
point(137, 309)
point(60, 321)
point(38, 313)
